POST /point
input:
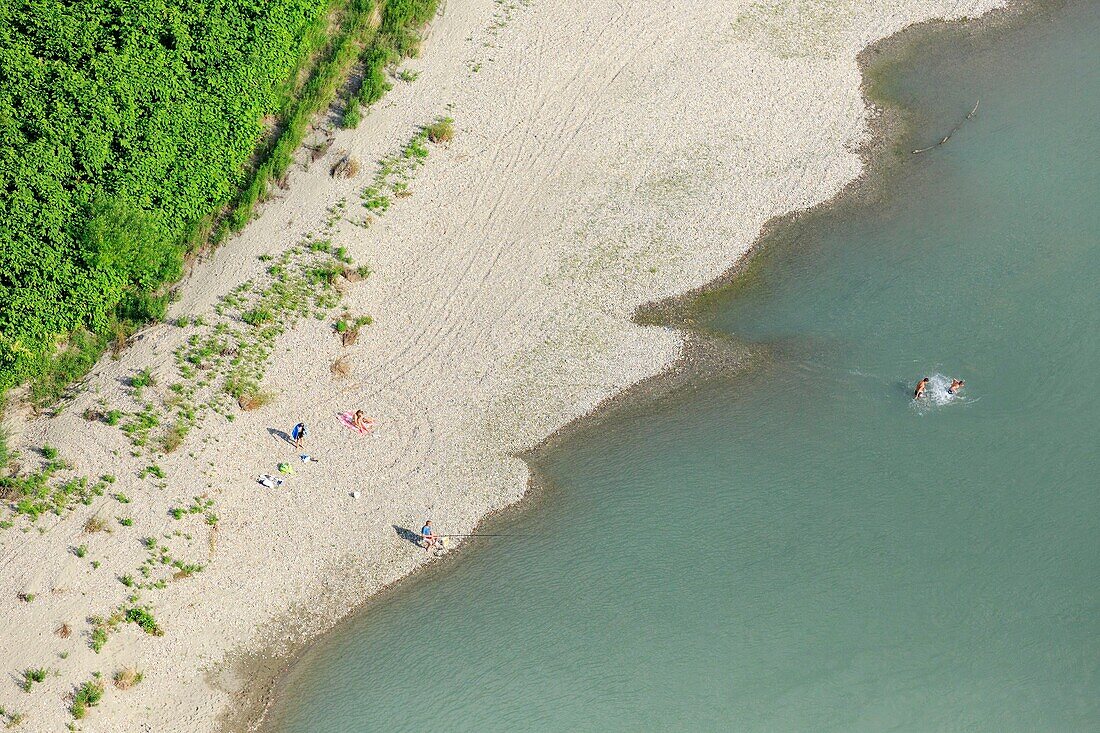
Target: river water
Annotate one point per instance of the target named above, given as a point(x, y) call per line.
point(800, 546)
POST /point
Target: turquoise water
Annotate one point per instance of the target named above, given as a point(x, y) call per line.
point(799, 547)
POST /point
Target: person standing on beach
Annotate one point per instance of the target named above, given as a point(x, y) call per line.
point(298, 433)
point(428, 537)
point(921, 386)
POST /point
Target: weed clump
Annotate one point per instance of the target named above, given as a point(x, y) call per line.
point(346, 167)
point(173, 439)
point(257, 316)
point(93, 525)
point(441, 131)
point(32, 675)
point(355, 274)
point(255, 400)
point(144, 619)
point(341, 367)
point(127, 677)
point(140, 381)
point(13, 717)
point(102, 628)
point(86, 696)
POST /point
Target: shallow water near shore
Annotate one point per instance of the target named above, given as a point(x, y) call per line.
point(801, 546)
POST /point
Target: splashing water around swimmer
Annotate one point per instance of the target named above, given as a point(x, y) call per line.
point(936, 393)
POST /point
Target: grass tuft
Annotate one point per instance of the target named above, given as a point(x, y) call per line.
point(341, 367)
point(32, 675)
point(255, 400)
point(441, 131)
point(127, 677)
point(95, 524)
point(346, 167)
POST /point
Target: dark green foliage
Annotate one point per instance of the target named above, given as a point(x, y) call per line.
point(132, 133)
point(143, 617)
point(123, 128)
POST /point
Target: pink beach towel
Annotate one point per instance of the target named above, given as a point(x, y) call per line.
point(348, 419)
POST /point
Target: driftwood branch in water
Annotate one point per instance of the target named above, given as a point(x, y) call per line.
point(953, 130)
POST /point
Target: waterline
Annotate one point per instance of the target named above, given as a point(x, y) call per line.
point(802, 547)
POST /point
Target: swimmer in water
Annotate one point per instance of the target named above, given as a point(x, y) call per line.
point(921, 386)
point(956, 385)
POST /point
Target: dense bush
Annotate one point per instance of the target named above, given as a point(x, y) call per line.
point(124, 125)
point(128, 128)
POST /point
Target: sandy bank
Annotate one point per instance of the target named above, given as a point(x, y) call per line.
point(605, 155)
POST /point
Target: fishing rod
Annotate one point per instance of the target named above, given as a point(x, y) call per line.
point(478, 534)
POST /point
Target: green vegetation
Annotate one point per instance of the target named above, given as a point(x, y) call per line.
point(401, 20)
point(135, 133)
point(397, 37)
point(102, 628)
point(153, 470)
point(37, 493)
point(126, 128)
point(396, 171)
point(86, 696)
point(143, 617)
point(32, 675)
point(140, 381)
point(441, 131)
